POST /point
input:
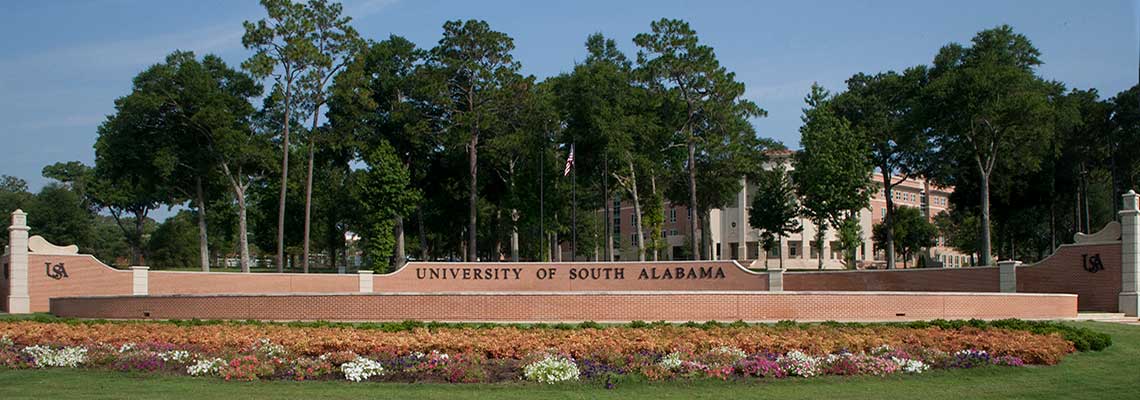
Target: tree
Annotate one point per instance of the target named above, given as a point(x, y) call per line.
point(879, 107)
point(135, 156)
point(832, 170)
point(13, 196)
point(384, 194)
point(987, 108)
point(775, 211)
point(850, 238)
point(674, 64)
point(472, 63)
point(914, 232)
point(169, 247)
point(282, 48)
point(378, 100)
point(334, 45)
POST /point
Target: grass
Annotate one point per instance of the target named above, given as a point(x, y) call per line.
point(1105, 374)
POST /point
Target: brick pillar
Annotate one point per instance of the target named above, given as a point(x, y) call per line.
point(1007, 276)
point(18, 301)
point(775, 279)
point(365, 281)
point(1130, 251)
point(140, 280)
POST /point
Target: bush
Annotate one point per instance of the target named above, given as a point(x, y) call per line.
point(552, 369)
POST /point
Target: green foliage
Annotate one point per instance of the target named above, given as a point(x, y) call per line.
point(832, 170)
point(912, 232)
point(850, 238)
point(775, 210)
point(172, 244)
point(384, 195)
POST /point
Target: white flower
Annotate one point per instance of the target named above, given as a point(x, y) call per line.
point(361, 369)
point(45, 356)
point(6, 341)
point(127, 347)
point(736, 353)
point(174, 356)
point(910, 366)
point(798, 363)
point(206, 367)
point(670, 361)
point(552, 369)
point(268, 348)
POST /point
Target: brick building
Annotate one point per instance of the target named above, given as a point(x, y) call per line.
point(733, 239)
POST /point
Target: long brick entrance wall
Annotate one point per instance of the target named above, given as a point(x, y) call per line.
point(580, 306)
point(1100, 270)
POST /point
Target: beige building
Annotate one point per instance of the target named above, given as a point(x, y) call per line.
point(733, 239)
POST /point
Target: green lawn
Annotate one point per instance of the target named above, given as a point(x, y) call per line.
point(1110, 374)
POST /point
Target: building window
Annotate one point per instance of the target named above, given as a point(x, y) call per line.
point(672, 215)
point(794, 250)
point(813, 251)
point(774, 252)
point(673, 232)
point(633, 219)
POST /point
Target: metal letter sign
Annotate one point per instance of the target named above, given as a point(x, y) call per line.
point(1092, 264)
point(56, 272)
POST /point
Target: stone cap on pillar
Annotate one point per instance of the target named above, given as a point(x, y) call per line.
point(1131, 202)
point(365, 272)
point(139, 268)
point(19, 220)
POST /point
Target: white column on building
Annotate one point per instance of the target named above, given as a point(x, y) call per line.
point(1130, 251)
point(18, 300)
point(742, 233)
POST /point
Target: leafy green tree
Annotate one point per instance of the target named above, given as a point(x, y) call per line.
point(914, 232)
point(282, 49)
point(383, 98)
point(987, 108)
point(471, 65)
point(1125, 139)
point(832, 170)
point(170, 244)
point(136, 154)
point(335, 43)
point(850, 238)
point(675, 65)
point(775, 211)
point(384, 194)
point(879, 107)
point(14, 195)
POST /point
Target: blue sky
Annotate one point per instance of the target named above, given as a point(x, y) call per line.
point(62, 63)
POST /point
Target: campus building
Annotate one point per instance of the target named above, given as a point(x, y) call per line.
point(733, 239)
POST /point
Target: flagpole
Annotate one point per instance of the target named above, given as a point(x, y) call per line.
point(574, 210)
point(541, 199)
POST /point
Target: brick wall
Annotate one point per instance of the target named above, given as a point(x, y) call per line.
point(1064, 272)
point(977, 279)
point(596, 306)
point(86, 276)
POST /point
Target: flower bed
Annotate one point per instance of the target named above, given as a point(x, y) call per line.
point(235, 351)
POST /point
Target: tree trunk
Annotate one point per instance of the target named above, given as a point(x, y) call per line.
point(656, 243)
point(514, 235)
point(636, 213)
point(203, 239)
point(693, 199)
point(284, 183)
point(137, 244)
point(707, 251)
point(780, 243)
point(423, 234)
point(472, 196)
point(308, 210)
point(888, 221)
point(398, 230)
point(607, 208)
point(243, 231)
point(985, 245)
point(820, 234)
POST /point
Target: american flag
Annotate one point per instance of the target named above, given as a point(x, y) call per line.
point(569, 161)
